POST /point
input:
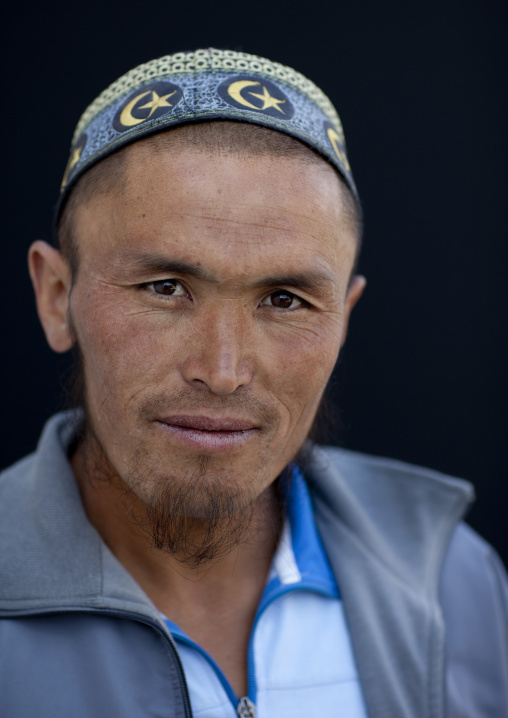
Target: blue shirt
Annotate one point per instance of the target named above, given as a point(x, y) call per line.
point(300, 661)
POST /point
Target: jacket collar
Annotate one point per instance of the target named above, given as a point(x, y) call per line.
point(52, 557)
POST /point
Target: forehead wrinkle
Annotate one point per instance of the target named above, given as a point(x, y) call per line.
point(231, 230)
point(260, 217)
point(215, 206)
point(270, 217)
point(283, 228)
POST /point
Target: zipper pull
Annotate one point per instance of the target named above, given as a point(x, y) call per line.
point(246, 708)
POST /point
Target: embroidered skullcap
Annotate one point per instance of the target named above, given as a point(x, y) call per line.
point(205, 85)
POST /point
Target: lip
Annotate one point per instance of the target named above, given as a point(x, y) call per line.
point(208, 423)
point(206, 433)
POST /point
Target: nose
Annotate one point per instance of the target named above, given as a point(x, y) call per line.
point(217, 359)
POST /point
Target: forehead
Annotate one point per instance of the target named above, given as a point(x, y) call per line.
point(217, 203)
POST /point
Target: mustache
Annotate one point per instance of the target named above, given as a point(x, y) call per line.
point(199, 403)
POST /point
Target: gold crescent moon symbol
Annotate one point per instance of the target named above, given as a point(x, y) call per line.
point(335, 139)
point(126, 117)
point(235, 91)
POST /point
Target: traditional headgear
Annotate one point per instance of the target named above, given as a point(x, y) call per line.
point(206, 85)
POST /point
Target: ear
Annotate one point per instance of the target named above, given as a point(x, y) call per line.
point(354, 293)
point(52, 281)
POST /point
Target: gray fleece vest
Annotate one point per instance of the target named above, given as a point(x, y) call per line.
point(426, 600)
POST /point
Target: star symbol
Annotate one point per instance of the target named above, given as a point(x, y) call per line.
point(268, 100)
point(156, 102)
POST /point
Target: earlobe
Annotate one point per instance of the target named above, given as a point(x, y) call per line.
point(355, 291)
point(52, 281)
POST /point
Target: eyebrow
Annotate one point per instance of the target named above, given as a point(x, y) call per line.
point(312, 280)
point(160, 264)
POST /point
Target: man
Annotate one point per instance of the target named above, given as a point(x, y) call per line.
point(176, 547)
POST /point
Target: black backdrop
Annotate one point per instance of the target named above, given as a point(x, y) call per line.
point(421, 91)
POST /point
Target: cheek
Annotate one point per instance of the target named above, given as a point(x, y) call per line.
point(298, 363)
point(124, 353)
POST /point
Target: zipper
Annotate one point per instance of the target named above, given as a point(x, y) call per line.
point(243, 707)
point(139, 618)
point(246, 708)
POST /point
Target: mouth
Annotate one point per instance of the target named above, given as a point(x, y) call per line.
point(206, 433)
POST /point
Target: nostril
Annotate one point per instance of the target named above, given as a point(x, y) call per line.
point(223, 379)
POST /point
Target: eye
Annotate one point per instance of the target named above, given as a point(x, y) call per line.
point(282, 300)
point(167, 287)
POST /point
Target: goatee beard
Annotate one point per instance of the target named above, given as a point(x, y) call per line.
point(196, 518)
point(204, 532)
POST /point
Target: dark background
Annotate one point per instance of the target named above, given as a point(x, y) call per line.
point(421, 91)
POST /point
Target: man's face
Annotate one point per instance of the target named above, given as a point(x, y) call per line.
point(210, 306)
